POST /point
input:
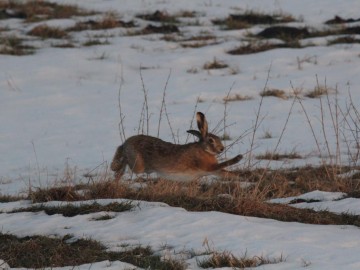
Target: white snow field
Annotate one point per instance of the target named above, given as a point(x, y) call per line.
point(59, 109)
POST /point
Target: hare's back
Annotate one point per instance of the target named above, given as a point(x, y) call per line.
point(149, 147)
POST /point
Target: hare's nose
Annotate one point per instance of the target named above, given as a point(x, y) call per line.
point(221, 149)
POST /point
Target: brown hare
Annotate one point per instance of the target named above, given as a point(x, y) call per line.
point(146, 154)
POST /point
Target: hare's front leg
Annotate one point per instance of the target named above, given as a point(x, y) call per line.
point(229, 162)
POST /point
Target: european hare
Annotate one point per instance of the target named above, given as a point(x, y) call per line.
point(146, 154)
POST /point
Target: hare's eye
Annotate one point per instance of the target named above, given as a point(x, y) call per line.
point(211, 140)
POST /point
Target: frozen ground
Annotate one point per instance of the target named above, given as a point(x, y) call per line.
point(59, 108)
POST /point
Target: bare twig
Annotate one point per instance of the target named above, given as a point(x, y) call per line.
point(146, 104)
point(310, 124)
point(122, 116)
point(163, 104)
point(225, 113)
point(37, 161)
point(258, 119)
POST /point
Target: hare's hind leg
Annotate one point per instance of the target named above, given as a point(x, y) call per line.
point(118, 164)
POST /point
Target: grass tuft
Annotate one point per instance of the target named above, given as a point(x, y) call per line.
point(318, 91)
point(274, 93)
point(44, 31)
point(12, 45)
point(215, 64)
point(236, 97)
point(227, 259)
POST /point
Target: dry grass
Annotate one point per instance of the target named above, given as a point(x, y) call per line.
point(274, 93)
point(256, 47)
point(319, 91)
point(41, 252)
point(278, 156)
point(74, 210)
point(250, 18)
point(42, 10)
point(215, 64)
point(228, 197)
point(12, 45)
point(227, 259)
point(109, 21)
point(344, 40)
point(44, 31)
point(236, 97)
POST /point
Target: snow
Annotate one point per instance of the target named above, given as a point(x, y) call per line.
point(183, 232)
point(59, 111)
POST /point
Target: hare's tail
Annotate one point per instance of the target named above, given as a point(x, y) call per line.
point(118, 160)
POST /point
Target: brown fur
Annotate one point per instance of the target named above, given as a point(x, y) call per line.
point(146, 154)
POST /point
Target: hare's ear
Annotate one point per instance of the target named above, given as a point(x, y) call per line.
point(195, 133)
point(202, 124)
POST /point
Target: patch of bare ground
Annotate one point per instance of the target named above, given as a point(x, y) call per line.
point(247, 19)
point(257, 46)
point(33, 10)
point(339, 20)
point(109, 21)
point(159, 16)
point(286, 33)
point(39, 252)
point(74, 210)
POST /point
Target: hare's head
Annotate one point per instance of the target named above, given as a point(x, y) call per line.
point(211, 143)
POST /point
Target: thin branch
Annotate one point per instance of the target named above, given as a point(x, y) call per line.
point(225, 112)
point(256, 126)
point(146, 105)
point(163, 104)
point(122, 116)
